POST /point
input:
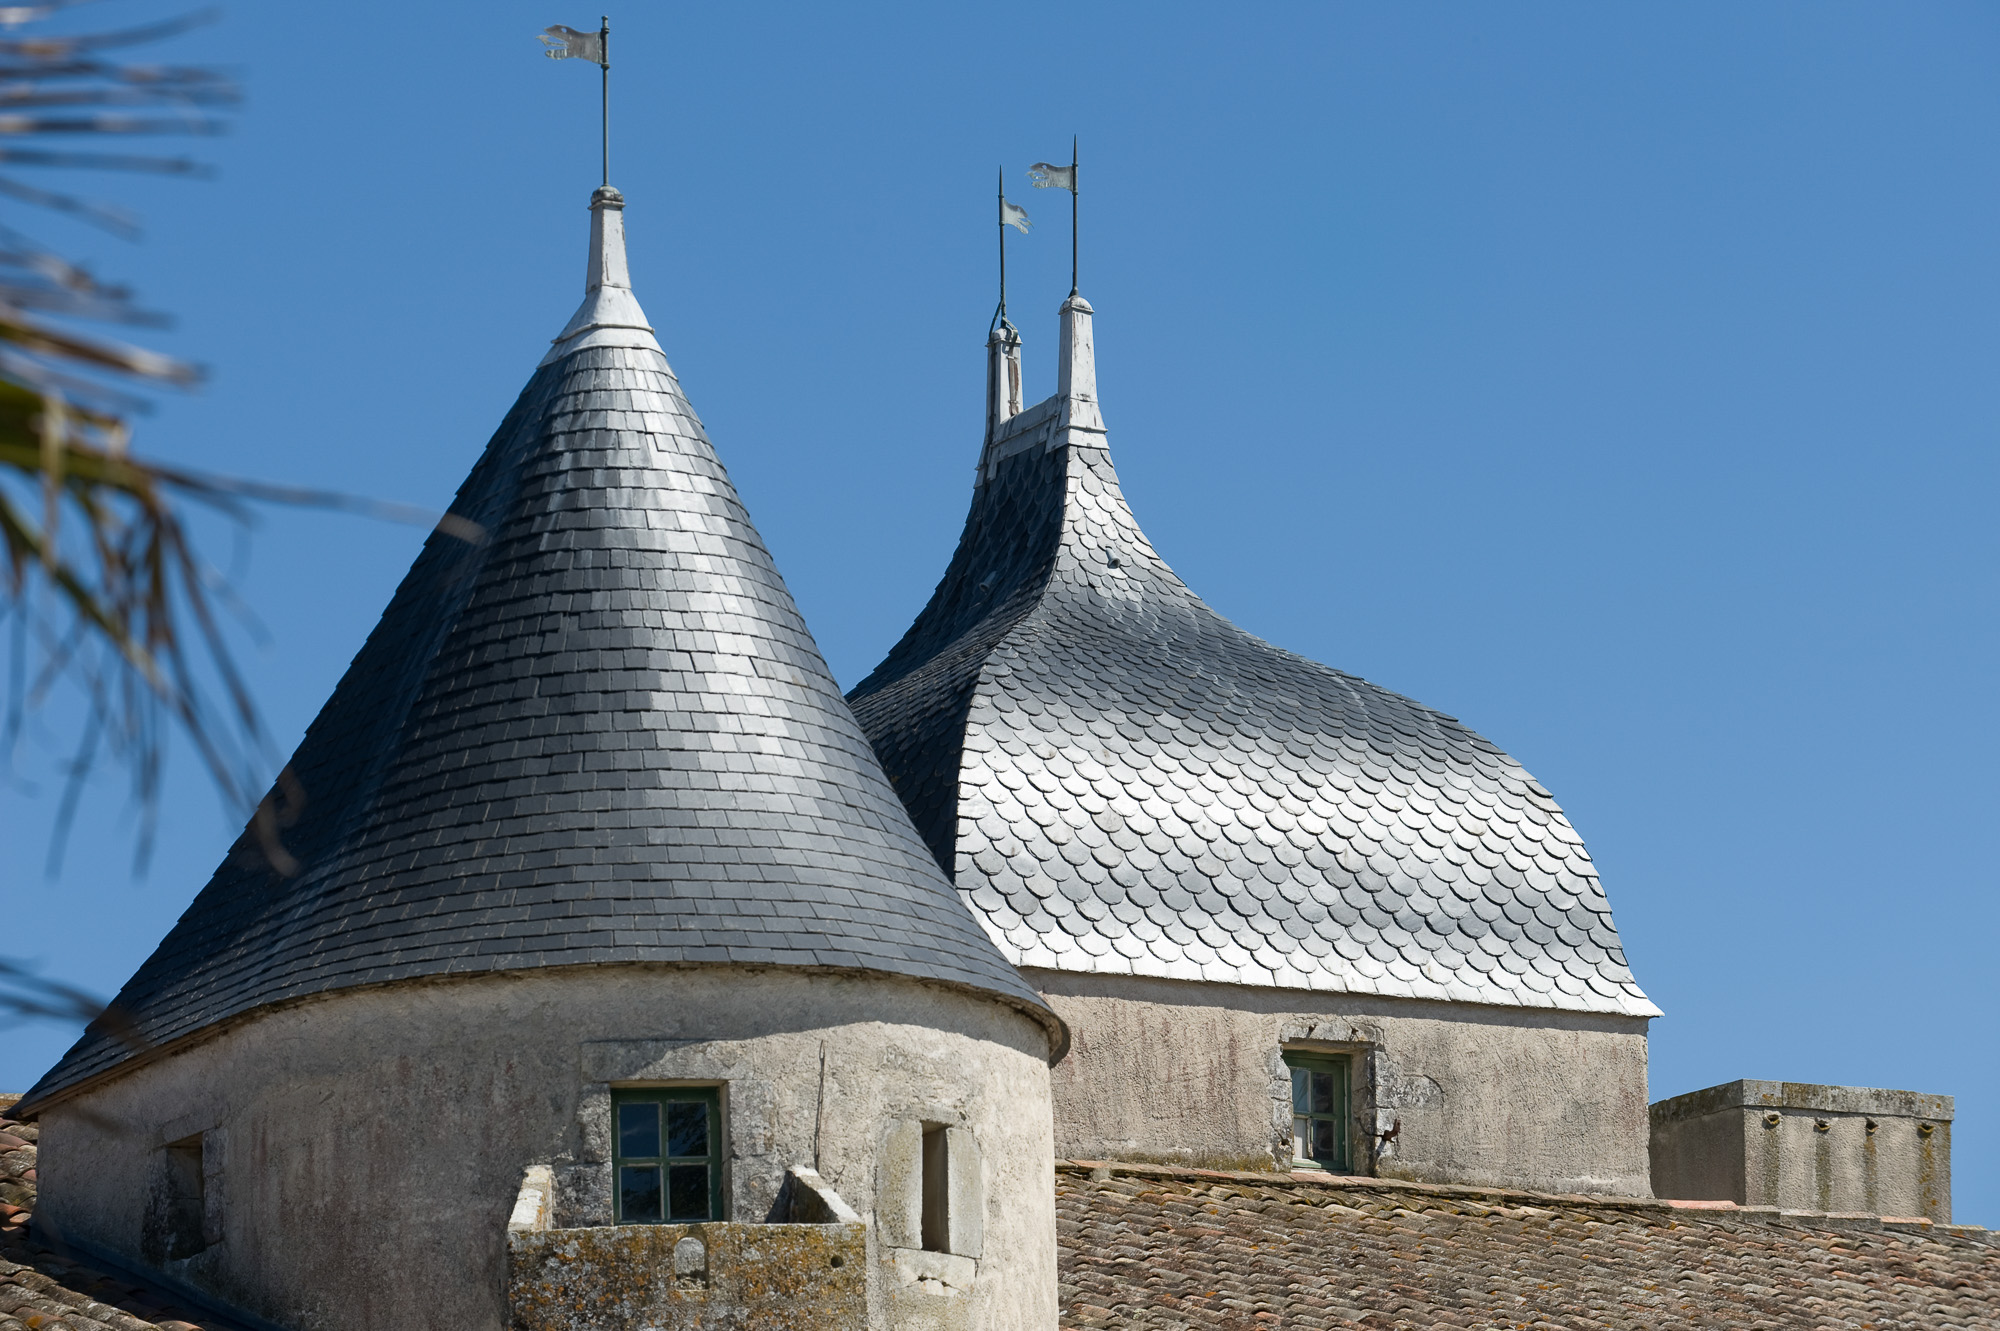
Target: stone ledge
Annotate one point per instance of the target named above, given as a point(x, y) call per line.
point(947, 1272)
point(1802, 1097)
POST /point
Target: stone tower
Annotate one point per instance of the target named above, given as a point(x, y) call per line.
point(586, 875)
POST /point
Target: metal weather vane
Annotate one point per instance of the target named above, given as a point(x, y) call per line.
point(1045, 175)
point(566, 43)
point(1017, 217)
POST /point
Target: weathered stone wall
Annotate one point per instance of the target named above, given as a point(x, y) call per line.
point(1806, 1147)
point(1170, 1070)
point(714, 1277)
point(364, 1151)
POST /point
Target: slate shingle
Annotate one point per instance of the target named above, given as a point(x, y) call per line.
point(608, 714)
point(1088, 748)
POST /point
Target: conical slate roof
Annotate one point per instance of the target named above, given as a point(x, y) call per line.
point(1124, 782)
point(600, 734)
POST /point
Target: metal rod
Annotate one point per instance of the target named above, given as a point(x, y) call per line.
point(604, 40)
point(1000, 211)
point(1074, 188)
point(819, 1109)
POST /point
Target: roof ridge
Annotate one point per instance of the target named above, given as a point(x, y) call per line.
point(1104, 1170)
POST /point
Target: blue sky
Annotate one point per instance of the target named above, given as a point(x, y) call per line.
point(1619, 379)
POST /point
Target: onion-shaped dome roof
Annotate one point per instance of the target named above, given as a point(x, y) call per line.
point(1124, 782)
point(598, 733)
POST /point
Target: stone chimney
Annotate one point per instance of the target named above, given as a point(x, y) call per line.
point(1807, 1148)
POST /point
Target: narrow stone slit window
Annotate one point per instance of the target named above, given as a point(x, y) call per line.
point(937, 1188)
point(187, 1199)
point(932, 1195)
point(666, 1154)
point(1320, 1111)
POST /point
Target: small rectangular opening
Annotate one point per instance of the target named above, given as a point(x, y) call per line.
point(937, 1190)
point(187, 1198)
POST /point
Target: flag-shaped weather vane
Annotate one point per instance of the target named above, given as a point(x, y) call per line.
point(1017, 217)
point(1048, 176)
point(565, 43)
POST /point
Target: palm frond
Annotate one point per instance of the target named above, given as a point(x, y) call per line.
point(98, 572)
point(106, 596)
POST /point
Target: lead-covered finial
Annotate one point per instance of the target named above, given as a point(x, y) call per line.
point(1076, 374)
point(1003, 377)
point(607, 241)
point(610, 313)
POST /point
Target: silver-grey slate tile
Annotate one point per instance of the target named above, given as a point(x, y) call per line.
point(1273, 821)
point(582, 708)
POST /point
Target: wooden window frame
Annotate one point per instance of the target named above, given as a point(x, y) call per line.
point(711, 1096)
point(1304, 1063)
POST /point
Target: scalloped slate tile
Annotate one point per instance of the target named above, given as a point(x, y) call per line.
point(1086, 745)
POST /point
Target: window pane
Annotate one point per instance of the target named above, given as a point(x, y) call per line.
point(689, 1185)
point(1299, 1102)
point(639, 1192)
point(1302, 1138)
point(687, 1128)
point(1322, 1092)
point(1323, 1146)
point(638, 1131)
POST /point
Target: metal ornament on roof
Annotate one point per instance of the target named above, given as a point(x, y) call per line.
point(566, 43)
point(1010, 214)
point(1045, 175)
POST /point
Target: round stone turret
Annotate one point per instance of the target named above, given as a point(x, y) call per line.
point(585, 824)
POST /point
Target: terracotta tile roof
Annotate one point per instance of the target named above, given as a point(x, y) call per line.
point(45, 1290)
point(1145, 1247)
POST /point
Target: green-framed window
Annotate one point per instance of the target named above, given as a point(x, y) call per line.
point(1319, 1111)
point(666, 1154)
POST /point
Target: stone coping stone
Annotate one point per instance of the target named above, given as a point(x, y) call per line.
point(1803, 1096)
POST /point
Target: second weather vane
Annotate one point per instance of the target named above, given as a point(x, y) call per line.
point(1042, 175)
point(566, 43)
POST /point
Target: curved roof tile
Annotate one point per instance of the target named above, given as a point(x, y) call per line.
point(1122, 781)
point(604, 734)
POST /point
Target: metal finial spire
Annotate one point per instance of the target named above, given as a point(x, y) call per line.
point(1017, 217)
point(564, 43)
point(1000, 318)
point(604, 38)
point(1072, 214)
point(1047, 175)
